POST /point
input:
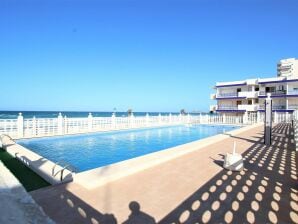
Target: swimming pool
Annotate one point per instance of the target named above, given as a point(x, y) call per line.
point(88, 151)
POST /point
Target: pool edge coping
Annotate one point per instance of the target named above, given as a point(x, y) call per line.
point(45, 168)
point(100, 176)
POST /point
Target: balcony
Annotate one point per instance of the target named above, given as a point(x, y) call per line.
point(293, 92)
point(227, 95)
point(212, 96)
point(274, 107)
point(247, 94)
point(248, 107)
point(227, 107)
point(213, 108)
point(243, 107)
point(251, 94)
point(293, 106)
point(274, 93)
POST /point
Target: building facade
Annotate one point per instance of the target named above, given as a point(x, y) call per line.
point(249, 95)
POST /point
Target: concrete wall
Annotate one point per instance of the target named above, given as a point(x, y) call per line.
point(17, 206)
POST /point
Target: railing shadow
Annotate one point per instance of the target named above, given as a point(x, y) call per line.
point(69, 208)
point(264, 192)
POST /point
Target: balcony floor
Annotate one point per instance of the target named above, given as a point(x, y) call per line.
point(192, 188)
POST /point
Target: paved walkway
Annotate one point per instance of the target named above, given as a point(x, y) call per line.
point(192, 188)
point(16, 205)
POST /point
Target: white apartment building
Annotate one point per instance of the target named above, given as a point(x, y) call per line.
point(249, 95)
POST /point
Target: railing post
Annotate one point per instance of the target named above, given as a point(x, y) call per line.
point(34, 129)
point(295, 131)
point(20, 125)
point(224, 118)
point(275, 117)
point(258, 117)
point(65, 125)
point(132, 120)
point(180, 118)
point(113, 120)
point(147, 119)
point(245, 118)
point(90, 122)
point(159, 119)
point(60, 124)
point(188, 119)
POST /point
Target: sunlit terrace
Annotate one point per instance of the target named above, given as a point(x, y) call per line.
point(193, 188)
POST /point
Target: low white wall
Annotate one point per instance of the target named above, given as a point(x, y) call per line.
point(40, 165)
point(17, 206)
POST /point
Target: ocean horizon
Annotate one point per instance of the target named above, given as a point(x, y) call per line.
point(54, 114)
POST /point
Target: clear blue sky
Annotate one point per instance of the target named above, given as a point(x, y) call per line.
point(146, 55)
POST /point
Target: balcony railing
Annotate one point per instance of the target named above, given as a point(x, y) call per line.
point(226, 107)
point(213, 96)
point(293, 92)
point(213, 107)
point(279, 107)
point(248, 107)
point(248, 94)
point(274, 107)
point(242, 107)
point(274, 93)
point(293, 106)
point(222, 95)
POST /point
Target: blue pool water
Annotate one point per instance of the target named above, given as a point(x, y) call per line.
point(88, 151)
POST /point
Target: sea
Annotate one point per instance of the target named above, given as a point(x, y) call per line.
point(53, 114)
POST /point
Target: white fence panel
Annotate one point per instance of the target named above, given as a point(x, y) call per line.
point(37, 127)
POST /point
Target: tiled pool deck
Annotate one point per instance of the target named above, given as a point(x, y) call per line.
point(192, 188)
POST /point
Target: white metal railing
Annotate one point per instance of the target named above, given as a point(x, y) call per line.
point(213, 107)
point(273, 93)
point(281, 117)
point(9, 127)
point(231, 94)
point(38, 127)
point(295, 127)
point(279, 107)
point(293, 106)
point(293, 92)
point(274, 107)
point(248, 94)
point(248, 107)
point(227, 107)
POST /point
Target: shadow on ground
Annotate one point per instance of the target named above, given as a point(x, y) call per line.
point(265, 191)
